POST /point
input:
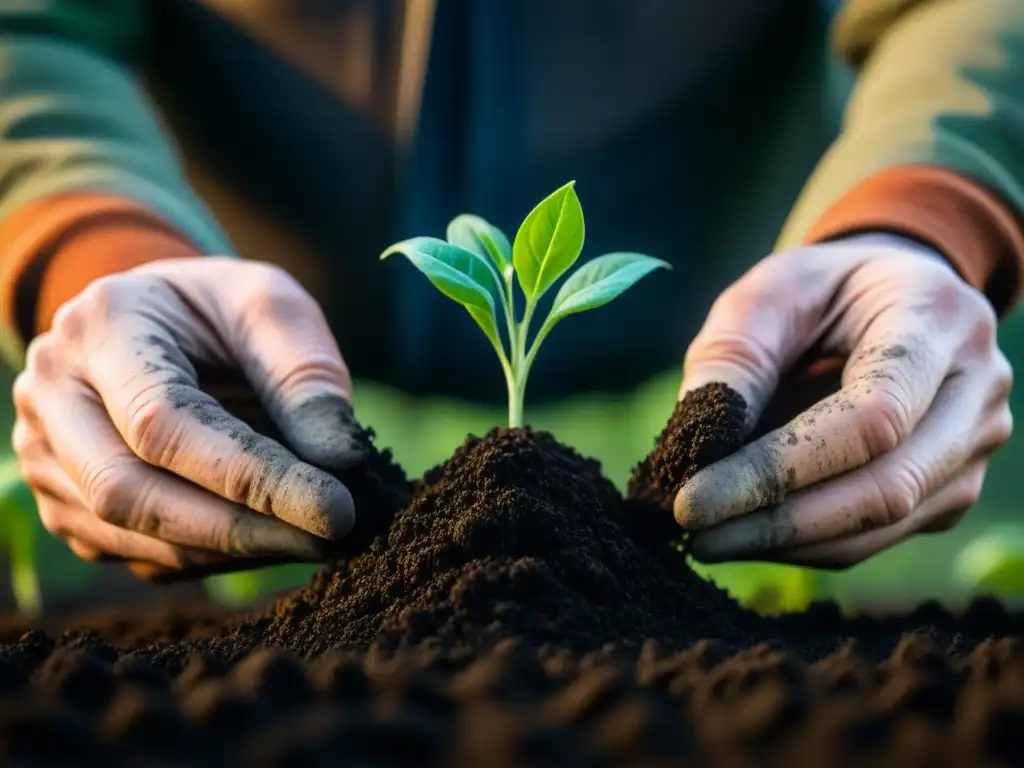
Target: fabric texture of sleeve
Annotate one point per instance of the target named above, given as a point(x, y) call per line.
point(73, 120)
point(932, 145)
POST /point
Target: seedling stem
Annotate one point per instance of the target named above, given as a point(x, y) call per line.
point(477, 267)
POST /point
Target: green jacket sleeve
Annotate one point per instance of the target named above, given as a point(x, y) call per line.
point(72, 118)
point(941, 84)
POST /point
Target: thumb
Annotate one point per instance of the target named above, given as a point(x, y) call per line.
point(759, 327)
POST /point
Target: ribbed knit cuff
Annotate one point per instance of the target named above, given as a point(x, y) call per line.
point(980, 235)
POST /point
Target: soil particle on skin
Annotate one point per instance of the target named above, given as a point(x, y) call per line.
point(512, 609)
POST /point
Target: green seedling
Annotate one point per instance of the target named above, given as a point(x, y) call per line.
point(477, 267)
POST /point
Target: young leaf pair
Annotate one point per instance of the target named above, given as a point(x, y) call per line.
point(477, 267)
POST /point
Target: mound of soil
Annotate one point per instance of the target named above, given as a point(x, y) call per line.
point(512, 608)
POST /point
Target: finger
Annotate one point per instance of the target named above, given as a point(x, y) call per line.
point(128, 494)
point(149, 390)
point(39, 468)
point(97, 541)
point(62, 511)
point(874, 496)
point(287, 351)
point(749, 337)
point(952, 501)
point(889, 383)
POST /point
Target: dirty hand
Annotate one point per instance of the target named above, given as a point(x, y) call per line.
point(129, 455)
point(898, 446)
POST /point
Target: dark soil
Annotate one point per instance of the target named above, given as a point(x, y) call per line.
point(705, 426)
point(511, 608)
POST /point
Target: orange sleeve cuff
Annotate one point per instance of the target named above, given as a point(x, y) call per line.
point(977, 232)
point(52, 249)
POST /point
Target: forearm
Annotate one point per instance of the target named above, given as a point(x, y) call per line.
point(71, 240)
point(81, 153)
point(933, 141)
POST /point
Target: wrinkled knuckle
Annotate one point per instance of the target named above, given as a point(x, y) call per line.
point(979, 304)
point(744, 296)
point(23, 392)
point(102, 298)
point(272, 290)
point(885, 422)
point(149, 430)
point(897, 495)
point(944, 291)
point(739, 350)
point(70, 323)
point(111, 488)
point(251, 484)
point(316, 371)
point(274, 276)
point(899, 501)
point(43, 358)
point(1002, 430)
point(982, 328)
point(1002, 375)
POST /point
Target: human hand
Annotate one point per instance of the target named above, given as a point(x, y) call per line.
point(898, 446)
point(129, 454)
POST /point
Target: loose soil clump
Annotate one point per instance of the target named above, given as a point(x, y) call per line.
point(512, 608)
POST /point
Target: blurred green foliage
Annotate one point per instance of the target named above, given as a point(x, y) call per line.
point(994, 563)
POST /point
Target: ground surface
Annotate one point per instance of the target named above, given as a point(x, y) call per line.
point(513, 609)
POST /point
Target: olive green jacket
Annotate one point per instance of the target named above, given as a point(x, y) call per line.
point(312, 134)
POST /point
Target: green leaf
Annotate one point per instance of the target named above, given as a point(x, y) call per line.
point(459, 274)
point(599, 281)
point(549, 241)
point(486, 322)
point(484, 239)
